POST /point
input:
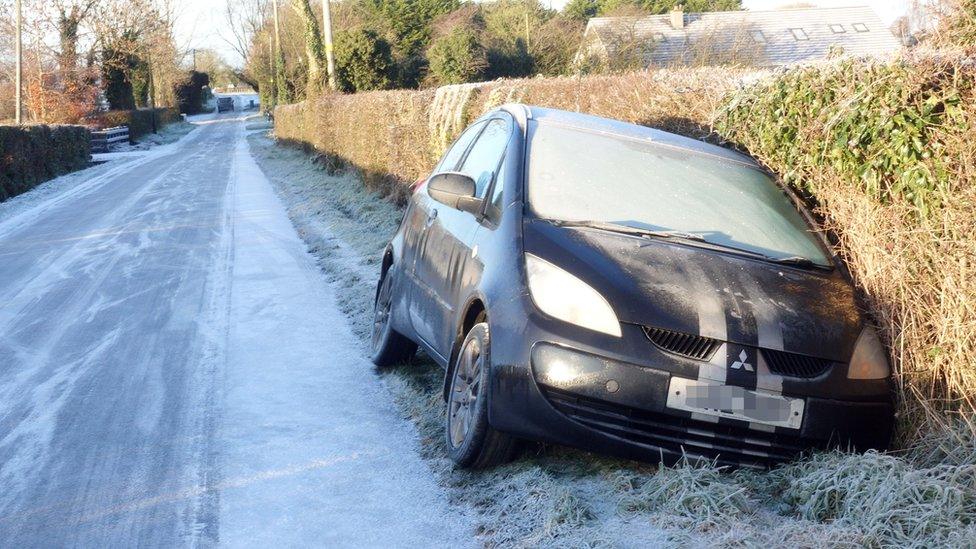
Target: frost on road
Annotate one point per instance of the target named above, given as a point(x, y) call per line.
point(174, 371)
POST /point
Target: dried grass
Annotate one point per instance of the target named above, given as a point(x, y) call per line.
point(883, 497)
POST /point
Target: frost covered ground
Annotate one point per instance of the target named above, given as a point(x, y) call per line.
point(177, 369)
point(174, 371)
point(560, 497)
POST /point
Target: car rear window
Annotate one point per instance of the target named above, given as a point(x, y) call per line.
point(577, 175)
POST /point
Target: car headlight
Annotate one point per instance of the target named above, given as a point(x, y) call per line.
point(869, 360)
point(563, 296)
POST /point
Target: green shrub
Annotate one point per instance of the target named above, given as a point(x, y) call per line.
point(581, 10)
point(189, 92)
point(363, 61)
point(457, 57)
point(876, 122)
point(30, 155)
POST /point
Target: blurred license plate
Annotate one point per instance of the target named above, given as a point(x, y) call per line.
point(735, 403)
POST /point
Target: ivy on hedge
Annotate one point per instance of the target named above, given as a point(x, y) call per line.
point(30, 155)
point(879, 124)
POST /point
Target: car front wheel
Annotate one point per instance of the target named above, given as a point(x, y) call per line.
point(389, 346)
point(471, 441)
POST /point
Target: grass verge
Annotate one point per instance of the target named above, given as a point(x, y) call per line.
point(170, 133)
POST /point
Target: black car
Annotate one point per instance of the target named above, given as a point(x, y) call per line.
point(225, 104)
point(604, 285)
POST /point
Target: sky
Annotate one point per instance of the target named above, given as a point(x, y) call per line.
point(202, 23)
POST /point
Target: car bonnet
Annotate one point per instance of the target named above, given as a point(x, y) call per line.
point(689, 289)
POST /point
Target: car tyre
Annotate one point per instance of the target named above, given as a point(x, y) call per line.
point(472, 443)
point(389, 346)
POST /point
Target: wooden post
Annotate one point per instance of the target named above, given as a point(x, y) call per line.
point(152, 93)
point(277, 28)
point(273, 94)
point(20, 66)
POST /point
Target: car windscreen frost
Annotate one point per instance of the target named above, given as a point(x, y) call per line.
point(576, 175)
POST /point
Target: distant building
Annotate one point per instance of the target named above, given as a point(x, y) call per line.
point(760, 38)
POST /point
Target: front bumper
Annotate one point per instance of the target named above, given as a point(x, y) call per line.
point(616, 406)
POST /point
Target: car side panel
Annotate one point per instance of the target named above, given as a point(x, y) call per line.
point(440, 264)
point(491, 272)
point(402, 249)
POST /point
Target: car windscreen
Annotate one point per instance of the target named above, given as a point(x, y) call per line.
point(579, 175)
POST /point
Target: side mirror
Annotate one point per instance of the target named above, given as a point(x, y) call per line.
point(455, 190)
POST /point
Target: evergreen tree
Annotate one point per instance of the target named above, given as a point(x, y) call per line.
point(581, 10)
point(457, 57)
point(363, 61)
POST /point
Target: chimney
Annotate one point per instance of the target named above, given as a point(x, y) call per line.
point(678, 17)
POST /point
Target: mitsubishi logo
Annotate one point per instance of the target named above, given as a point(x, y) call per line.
point(742, 364)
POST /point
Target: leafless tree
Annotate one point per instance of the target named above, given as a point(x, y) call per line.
point(70, 16)
point(245, 18)
point(143, 29)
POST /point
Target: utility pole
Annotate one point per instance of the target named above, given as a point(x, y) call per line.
point(327, 35)
point(194, 60)
point(277, 28)
point(20, 66)
point(152, 94)
point(281, 92)
point(273, 94)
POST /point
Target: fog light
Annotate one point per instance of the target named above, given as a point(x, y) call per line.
point(563, 368)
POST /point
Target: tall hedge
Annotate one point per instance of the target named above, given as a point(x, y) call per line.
point(30, 155)
point(139, 121)
point(888, 151)
point(396, 136)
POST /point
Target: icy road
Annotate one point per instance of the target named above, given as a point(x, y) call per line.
point(174, 371)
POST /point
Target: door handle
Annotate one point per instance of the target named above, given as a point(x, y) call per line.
point(431, 217)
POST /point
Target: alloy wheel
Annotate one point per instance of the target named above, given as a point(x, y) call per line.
point(381, 312)
point(465, 391)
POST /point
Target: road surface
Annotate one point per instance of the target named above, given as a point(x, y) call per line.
point(174, 371)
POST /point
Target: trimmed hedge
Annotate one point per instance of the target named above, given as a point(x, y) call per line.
point(395, 137)
point(139, 120)
point(30, 155)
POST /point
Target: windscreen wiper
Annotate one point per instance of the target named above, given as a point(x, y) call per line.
point(793, 261)
point(799, 261)
point(627, 229)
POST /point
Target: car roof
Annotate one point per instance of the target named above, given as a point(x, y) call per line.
point(576, 120)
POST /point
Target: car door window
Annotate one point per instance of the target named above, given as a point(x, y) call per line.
point(495, 205)
point(482, 160)
point(456, 152)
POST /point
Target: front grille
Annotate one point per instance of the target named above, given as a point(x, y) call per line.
point(793, 365)
point(677, 434)
point(686, 345)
